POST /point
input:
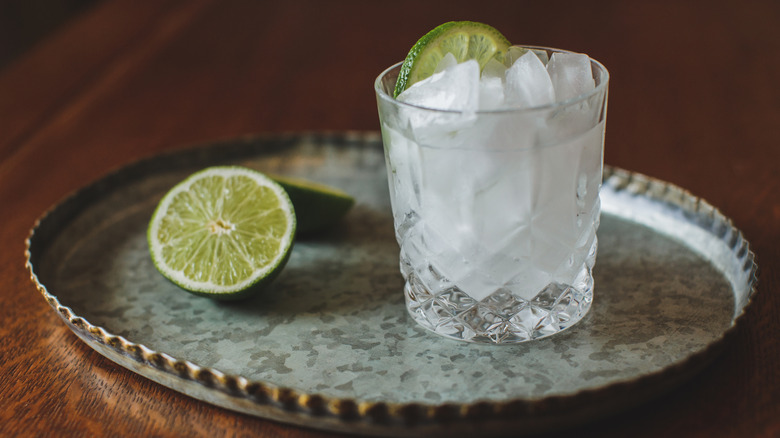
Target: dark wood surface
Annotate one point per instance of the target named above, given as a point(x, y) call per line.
point(694, 100)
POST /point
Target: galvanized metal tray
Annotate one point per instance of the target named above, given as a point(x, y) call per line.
point(329, 345)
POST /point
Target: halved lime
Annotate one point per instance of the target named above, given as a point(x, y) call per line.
point(222, 232)
point(317, 206)
point(464, 39)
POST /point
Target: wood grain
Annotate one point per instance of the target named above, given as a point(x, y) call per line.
point(694, 100)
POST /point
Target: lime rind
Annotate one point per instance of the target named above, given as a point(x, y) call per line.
point(317, 206)
point(464, 39)
point(191, 255)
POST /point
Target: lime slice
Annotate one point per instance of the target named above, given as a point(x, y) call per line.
point(223, 232)
point(464, 39)
point(317, 206)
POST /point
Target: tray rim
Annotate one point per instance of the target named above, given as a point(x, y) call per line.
point(286, 404)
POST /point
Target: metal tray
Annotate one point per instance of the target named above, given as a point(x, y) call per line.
point(329, 345)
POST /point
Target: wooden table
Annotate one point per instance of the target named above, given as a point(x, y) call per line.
point(694, 100)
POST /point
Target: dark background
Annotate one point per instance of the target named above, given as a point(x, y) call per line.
point(23, 23)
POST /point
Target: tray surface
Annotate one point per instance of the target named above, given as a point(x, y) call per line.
point(330, 345)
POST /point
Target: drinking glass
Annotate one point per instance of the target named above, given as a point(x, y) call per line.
point(496, 212)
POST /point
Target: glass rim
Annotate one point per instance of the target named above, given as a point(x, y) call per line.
point(380, 92)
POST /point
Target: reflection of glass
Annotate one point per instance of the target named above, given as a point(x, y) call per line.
point(496, 212)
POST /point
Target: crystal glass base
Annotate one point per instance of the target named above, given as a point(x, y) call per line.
point(500, 318)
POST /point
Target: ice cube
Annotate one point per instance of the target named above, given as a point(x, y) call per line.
point(491, 93)
point(528, 84)
point(571, 75)
point(445, 200)
point(503, 204)
point(494, 69)
point(491, 85)
point(570, 121)
point(513, 54)
point(446, 62)
point(476, 284)
point(403, 170)
point(528, 281)
point(542, 54)
point(455, 88)
point(455, 91)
